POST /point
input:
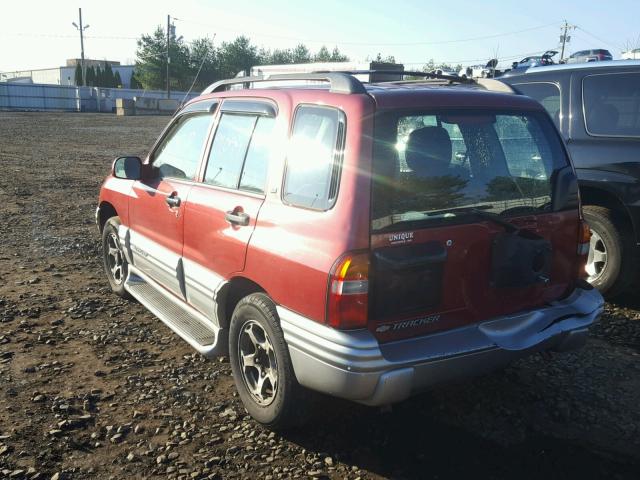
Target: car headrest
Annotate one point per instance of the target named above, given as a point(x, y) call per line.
point(428, 150)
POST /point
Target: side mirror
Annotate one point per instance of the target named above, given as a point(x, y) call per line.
point(514, 65)
point(128, 168)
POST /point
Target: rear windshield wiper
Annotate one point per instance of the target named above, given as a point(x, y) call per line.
point(495, 218)
point(480, 211)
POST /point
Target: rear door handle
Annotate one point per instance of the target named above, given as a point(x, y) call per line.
point(173, 200)
point(237, 218)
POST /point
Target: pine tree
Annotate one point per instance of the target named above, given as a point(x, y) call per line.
point(108, 78)
point(134, 82)
point(117, 80)
point(323, 55)
point(99, 82)
point(78, 75)
point(91, 76)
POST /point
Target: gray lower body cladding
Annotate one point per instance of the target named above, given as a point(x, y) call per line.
point(353, 365)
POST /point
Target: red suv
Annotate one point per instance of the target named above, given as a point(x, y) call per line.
point(362, 240)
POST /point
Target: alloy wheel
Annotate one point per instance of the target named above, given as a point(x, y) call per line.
point(115, 259)
point(597, 259)
point(258, 362)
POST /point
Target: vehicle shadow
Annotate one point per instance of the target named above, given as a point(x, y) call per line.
point(628, 300)
point(413, 441)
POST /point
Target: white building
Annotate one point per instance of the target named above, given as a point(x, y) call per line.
point(66, 75)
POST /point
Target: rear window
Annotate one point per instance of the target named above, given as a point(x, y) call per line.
point(438, 167)
point(612, 104)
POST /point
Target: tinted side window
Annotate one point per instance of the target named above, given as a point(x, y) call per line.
point(314, 157)
point(178, 156)
point(229, 149)
point(548, 94)
point(256, 163)
point(612, 104)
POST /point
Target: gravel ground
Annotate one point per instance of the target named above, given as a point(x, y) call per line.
point(93, 386)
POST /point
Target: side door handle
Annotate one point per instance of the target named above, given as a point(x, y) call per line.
point(237, 217)
point(173, 200)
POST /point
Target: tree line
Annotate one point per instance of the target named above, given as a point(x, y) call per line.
point(99, 77)
point(208, 62)
point(200, 62)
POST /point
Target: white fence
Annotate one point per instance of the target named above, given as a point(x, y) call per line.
point(40, 97)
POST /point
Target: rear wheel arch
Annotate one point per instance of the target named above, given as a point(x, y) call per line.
point(603, 198)
point(610, 219)
point(231, 293)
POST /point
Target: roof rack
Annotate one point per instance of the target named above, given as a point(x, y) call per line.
point(408, 73)
point(495, 85)
point(339, 82)
point(490, 84)
point(346, 82)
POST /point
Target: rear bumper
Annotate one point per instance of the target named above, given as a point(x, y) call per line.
point(353, 365)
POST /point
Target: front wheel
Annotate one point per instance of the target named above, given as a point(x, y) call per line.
point(261, 365)
point(115, 264)
point(611, 260)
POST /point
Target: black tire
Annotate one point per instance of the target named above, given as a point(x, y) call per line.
point(616, 274)
point(287, 408)
point(111, 240)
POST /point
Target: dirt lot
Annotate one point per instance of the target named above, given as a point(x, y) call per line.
point(92, 386)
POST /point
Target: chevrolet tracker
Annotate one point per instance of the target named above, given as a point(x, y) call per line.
point(366, 241)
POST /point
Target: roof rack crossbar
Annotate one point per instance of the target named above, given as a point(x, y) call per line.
point(345, 81)
point(489, 84)
point(339, 82)
point(409, 73)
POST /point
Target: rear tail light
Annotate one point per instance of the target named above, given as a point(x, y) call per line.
point(584, 239)
point(348, 296)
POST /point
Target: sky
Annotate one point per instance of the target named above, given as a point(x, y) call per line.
point(39, 33)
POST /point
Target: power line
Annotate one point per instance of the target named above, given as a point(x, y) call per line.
point(565, 38)
point(204, 57)
point(376, 44)
point(81, 29)
point(508, 57)
point(598, 38)
point(62, 35)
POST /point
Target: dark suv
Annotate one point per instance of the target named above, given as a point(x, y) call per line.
point(596, 106)
point(365, 241)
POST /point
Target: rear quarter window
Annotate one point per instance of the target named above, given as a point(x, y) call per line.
point(547, 94)
point(612, 104)
point(314, 157)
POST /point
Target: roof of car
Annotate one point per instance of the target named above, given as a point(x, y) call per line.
point(436, 91)
point(576, 66)
point(407, 95)
point(403, 95)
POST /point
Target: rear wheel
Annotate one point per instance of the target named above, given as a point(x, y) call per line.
point(611, 259)
point(113, 259)
point(261, 365)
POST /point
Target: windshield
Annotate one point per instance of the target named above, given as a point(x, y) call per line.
point(431, 166)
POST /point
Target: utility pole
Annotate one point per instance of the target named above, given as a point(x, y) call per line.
point(564, 38)
point(81, 29)
point(168, 57)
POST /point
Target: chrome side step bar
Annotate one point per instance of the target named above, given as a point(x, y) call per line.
point(197, 330)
